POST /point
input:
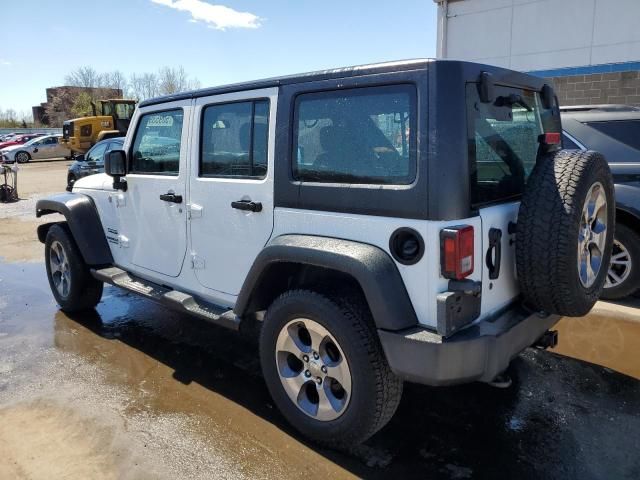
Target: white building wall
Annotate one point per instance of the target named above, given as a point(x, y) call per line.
point(540, 34)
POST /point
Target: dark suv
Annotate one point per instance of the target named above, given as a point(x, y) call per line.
point(92, 162)
point(614, 130)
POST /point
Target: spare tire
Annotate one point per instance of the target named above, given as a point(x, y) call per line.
point(564, 233)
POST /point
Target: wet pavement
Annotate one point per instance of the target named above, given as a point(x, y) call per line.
point(136, 391)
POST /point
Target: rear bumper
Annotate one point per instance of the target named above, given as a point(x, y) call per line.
point(477, 353)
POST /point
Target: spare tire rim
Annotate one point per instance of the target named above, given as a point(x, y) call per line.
point(620, 266)
point(60, 270)
point(593, 235)
point(313, 369)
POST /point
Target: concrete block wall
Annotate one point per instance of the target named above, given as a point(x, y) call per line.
point(598, 88)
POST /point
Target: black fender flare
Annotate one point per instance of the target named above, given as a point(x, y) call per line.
point(373, 269)
point(83, 221)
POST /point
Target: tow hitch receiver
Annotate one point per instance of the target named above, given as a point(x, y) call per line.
point(549, 339)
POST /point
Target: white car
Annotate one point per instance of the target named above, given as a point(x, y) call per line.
point(370, 219)
point(47, 146)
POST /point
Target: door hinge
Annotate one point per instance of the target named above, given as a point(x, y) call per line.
point(195, 210)
point(197, 263)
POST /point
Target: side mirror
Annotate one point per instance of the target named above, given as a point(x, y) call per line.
point(115, 165)
point(79, 158)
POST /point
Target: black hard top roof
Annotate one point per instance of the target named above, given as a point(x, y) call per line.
point(502, 75)
point(297, 78)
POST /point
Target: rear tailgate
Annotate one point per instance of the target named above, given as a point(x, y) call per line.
point(503, 147)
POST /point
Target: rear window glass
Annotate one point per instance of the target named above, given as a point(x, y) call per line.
point(356, 136)
point(625, 131)
point(503, 142)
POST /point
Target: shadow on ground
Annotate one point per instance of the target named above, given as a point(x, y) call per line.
point(562, 418)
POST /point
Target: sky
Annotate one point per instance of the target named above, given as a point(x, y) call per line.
point(216, 41)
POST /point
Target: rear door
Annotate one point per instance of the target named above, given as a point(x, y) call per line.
point(503, 147)
point(231, 185)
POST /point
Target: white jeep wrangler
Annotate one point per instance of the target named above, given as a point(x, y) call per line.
point(412, 220)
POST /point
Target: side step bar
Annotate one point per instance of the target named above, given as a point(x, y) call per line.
point(175, 299)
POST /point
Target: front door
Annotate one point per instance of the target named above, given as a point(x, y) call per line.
point(152, 211)
point(44, 148)
point(231, 186)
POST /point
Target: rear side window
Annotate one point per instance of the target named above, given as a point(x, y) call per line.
point(356, 136)
point(156, 146)
point(234, 140)
point(625, 131)
point(503, 142)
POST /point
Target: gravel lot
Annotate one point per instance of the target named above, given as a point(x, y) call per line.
point(134, 391)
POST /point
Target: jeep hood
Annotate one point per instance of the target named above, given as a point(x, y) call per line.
point(99, 181)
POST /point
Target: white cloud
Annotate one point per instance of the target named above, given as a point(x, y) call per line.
point(5, 63)
point(217, 16)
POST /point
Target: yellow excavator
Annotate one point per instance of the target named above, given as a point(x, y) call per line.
point(111, 118)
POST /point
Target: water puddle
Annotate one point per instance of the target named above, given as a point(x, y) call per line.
point(610, 341)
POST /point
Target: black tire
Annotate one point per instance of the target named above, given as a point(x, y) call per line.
point(22, 157)
point(71, 179)
point(375, 390)
point(548, 229)
point(628, 239)
point(83, 291)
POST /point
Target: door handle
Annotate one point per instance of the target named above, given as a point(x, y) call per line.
point(247, 205)
point(493, 259)
point(171, 197)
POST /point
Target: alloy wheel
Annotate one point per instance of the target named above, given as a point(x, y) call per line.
point(60, 269)
point(313, 369)
point(593, 235)
point(620, 266)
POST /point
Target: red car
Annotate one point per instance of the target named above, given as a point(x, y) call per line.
point(20, 139)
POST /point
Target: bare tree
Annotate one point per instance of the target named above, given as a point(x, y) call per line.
point(116, 80)
point(86, 77)
point(144, 86)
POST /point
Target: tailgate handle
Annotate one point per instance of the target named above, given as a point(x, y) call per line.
point(494, 253)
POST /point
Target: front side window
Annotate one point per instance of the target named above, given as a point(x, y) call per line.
point(234, 140)
point(156, 146)
point(503, 141)
point(356, 136)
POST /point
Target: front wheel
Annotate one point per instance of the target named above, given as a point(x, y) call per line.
point(325, 368)
point(623, 277)
point(22, 157)
point(71, 282)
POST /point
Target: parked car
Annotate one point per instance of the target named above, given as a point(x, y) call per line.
point(614, 130)
point(48, 146)
point(19, 139)
point(93, 161)
point(370, 219)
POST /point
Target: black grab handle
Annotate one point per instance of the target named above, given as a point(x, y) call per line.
point(493, 260)
point(171, 197)
point(247, 205)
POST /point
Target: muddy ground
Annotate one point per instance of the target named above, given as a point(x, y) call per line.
point(135, 391)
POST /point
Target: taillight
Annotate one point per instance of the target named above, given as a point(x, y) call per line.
point(456, 251)
point(550, 138)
